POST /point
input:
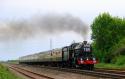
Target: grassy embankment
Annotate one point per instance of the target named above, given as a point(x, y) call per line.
point(109, 66)
point(117, 63)
point(6, 74)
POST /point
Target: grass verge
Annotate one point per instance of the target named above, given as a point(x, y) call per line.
point(110, 66)
point(6, 74)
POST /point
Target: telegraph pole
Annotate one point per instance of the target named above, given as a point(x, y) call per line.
point(51, 46)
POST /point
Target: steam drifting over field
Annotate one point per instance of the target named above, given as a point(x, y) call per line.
point(42, 25)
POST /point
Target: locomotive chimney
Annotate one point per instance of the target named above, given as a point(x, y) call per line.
point(84, 42)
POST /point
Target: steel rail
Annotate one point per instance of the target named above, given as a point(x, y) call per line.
point(28, 73)
point(93, 73)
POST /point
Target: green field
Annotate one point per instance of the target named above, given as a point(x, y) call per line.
point(6, 74)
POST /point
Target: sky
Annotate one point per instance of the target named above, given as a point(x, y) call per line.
point(18, 10)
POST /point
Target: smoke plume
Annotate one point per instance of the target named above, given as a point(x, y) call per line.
point(42, 25)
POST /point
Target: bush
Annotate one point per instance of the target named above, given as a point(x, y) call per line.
point(120, 60)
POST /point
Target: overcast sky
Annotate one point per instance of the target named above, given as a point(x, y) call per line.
point(15, 10)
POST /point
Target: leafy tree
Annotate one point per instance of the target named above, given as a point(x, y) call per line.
point(106, 32)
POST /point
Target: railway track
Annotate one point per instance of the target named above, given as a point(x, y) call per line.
point(98, 73)
point(104, 73)
point(116, 71)
point(29, 74)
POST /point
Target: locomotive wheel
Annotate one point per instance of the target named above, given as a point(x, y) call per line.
point(90, 67)
point(76, 66)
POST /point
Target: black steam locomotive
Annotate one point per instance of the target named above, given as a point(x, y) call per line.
point(78, 55)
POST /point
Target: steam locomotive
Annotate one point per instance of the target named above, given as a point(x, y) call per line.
point(78, 55)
